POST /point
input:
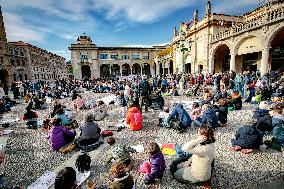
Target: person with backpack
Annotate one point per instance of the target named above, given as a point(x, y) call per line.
point(134, 118)
point(180, 114)
point(144, 92)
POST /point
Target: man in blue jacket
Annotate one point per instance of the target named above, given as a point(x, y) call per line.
point(208, 117)
point(180, 114)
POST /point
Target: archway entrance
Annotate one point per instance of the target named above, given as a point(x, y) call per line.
point(115, 70)
point(86, 71)
point(4, 76)
point(146, 69)
point(125, 69)
point(136, 69)
point(104, 70)
point(277, 50)
point(171, 67)
point(161, 69)
point(222, 59)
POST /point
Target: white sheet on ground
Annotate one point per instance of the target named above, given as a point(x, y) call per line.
point(138, 148)
point(108, 99)
point(44, 182)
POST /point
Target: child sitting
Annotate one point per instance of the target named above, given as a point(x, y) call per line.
point(134, 118)
point(247, 138)
point(163, 118)
point(66, 178)
point(121, 178)
point(120, 152)
point(236, 100)
point(196, 112)
point(155, 167)
point(60, 135)
point(208, 117)
point(222, 112)
point(278, 123)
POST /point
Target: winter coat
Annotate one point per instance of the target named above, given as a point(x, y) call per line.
point(89, 130)
point(181, 114)
point(201, 160)
point(121, 101)
point(63, 118)
point(134, 118)
point(158, 167)
point(237, 102)
point(100, 112)
point(247, 137)
point(210, 118)
point(125, 182)
point(223, 113)
point(278, 128)
point(121, 152)
point(59, 135)
point(144, 88)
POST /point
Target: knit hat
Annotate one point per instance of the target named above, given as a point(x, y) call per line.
point(89, 117)
point(144, 77)
point(264, 105)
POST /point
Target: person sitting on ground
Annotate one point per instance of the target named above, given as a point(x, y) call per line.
point(56, 106)
point(196, 111)
point(80, 103)
point(263, 117)
point(208, 117)
point(134, 118)
point(120, 152)
point(278, 123)
point(121, 178)
point(61, 114)
point(236, 100)
point(179, 113)
point(247, 138)
point(198, 167)
point(100, 111)
point(222, 112)
point(59, 136)
point(90, 131)
point(155, 167)
point(30, 117)
point(207, 97)
point(66, 178)
point(163, 118)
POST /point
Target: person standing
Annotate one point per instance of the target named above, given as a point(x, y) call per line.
point(144, 92)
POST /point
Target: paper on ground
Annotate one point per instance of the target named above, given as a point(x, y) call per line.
point(81, 177)
point(138, 148)
point(44, 182)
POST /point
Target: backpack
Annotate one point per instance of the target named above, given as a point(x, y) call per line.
point(264, 120)
point(137, 118)
point(83, 162)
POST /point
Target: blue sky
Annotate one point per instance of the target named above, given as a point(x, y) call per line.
point(55, 24)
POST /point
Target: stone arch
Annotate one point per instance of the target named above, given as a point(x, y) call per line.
point(86, 71)
point(146, 70)
point(136, 69)
point(245, 37)
point(104, 70)
point(272, 34)
point(4, 76)
point(126, 69)
point(220, 58)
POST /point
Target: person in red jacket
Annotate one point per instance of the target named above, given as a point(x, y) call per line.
point(134, 118)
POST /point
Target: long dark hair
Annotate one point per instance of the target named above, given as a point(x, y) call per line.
point(208, 132)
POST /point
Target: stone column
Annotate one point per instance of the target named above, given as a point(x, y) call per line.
point(130, 69)
point(233, 62)
point(168, 70)
point(264, 61)
point(120, 66)
point(157, 69)
point(211, 65)
point(141, 69)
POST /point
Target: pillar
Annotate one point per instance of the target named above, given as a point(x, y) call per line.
point(120, 66)
point(264, 66)
point(211, 65)
point(233, 62)
point(141, 69)
point(168, 70)
point(130, 69)
point(157, 69)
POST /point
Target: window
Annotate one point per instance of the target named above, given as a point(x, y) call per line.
point(145, 56)
point(103, 56)
point(23, 63)
point(11, 51)
point(114, 56)
point(35, 76)
point(136, 56)
point(125, 56)
point(12, 62)
point(22, 53)
point(16, 52)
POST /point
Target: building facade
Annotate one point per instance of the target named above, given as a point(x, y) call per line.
point(29, 62)
point(91, 61)
point(218, 42)
point(5, 72)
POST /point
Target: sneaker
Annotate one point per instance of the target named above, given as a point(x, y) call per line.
point(235, 148)
point(247, 151)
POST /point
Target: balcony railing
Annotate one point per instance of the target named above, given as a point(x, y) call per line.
point(273, 14)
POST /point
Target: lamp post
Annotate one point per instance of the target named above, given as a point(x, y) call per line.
point(184, 51)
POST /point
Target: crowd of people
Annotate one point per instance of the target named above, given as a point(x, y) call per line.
point(213, 95)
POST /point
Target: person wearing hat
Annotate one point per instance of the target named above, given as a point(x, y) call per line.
point(90, 131)
point(144, 92)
